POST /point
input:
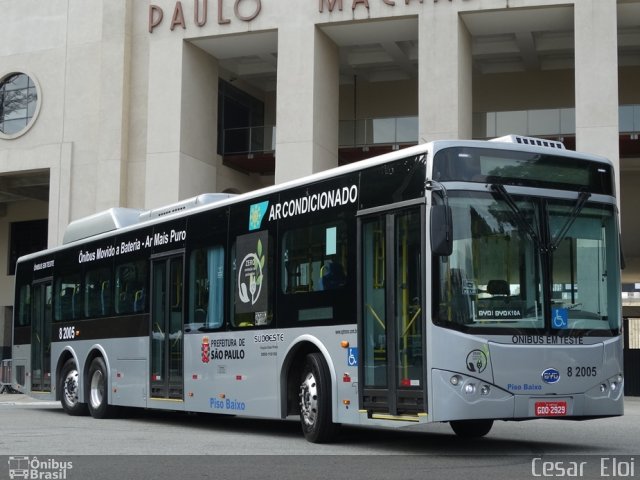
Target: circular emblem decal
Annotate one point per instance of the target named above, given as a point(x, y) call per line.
point(550, 375)
point(251, 269)
point(476, 361)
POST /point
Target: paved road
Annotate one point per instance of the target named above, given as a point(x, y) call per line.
point(250, 448)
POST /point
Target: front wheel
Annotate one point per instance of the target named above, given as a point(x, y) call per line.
point(315, 400)
point(99, 390)
point(69, 389)
point(471, 428)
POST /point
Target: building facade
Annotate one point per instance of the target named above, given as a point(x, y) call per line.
point(131, 103)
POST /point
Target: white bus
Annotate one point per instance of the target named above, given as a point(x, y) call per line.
point(456, 281)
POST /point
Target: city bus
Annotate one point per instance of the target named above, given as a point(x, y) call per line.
point(455, 281)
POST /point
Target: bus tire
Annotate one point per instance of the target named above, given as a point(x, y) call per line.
point(471, 428)
point(315, 400)
point(98, 387)
point(69, 390)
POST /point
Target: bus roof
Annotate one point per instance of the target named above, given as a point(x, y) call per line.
point(120, 219)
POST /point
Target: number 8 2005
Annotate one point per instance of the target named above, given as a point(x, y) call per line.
point(582, 371)
point(66, 333)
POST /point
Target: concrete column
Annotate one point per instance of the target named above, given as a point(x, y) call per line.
point(163, 121)
point(445, 106)
point(199, 123)
point(114, 104)
point(182, 122)
point(596, 79)
point(60, 194)
point(307, 102)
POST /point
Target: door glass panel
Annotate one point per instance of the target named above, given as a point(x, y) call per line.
point(36, 338)
point(158, 329)
point(46, 337)
point(41, 337)
point(392, 314)
point(374, 303)
point(166, 329)
point(175, 323)
point(408, 293)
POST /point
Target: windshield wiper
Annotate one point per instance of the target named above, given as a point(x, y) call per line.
point(518, 216)
point(577, 208)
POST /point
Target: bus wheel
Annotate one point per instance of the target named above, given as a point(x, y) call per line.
point(99, 390)
point(471, 428)
point(68, 389)
point(315, 400)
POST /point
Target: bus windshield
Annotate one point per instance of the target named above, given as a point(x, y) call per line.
point(521, 262)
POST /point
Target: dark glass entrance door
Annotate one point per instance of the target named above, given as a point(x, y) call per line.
point(41, 314)
point(392, 314)
point(167, 345)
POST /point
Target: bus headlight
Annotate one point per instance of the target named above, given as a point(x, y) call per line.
point(470, 386)
point(615, 382)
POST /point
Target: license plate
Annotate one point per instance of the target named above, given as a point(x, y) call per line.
point(550, 409)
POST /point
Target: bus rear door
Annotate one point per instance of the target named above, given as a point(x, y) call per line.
point(167, 311)
point(392, 380)
point(41, 316)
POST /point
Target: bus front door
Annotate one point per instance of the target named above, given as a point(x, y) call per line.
point(167, 370)
point(391, 320)
point(41, 316)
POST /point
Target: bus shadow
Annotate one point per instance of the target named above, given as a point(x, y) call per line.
point(434, 439)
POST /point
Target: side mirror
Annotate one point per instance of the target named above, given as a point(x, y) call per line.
point(441, 230)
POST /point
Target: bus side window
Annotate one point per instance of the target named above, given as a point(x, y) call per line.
point(69, 298)
point(105, 297)
point(130, 287)
point(23, 317)
point(206, 289)
point(314, 258)
point(332, 275)
point(97, 292)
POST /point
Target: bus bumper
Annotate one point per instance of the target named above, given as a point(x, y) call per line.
point(459, 397)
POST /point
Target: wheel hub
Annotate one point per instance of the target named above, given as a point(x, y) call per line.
point(97, 389)
point(309, 400)
point(71, 388)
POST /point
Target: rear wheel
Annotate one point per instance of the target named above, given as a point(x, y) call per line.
point(471, 428)
point(69, 389)
point(315, 400)
point(99, 390)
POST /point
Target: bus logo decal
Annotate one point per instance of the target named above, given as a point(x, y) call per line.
point(476, 361)
point(251, 270)
point(206, 350)
point(550, 375)
point(560, 318)
point(352, 356)
point(256, 214)
point(251, 261)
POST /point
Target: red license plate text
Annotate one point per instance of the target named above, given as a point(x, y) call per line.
point(550, 409)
